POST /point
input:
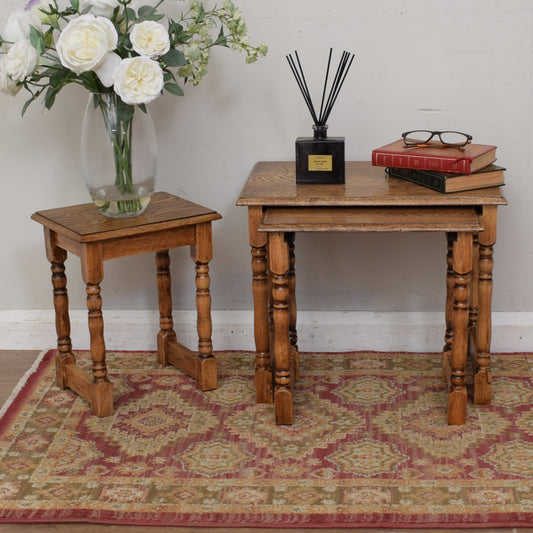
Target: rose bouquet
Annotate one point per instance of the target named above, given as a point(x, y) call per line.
point(117, 49)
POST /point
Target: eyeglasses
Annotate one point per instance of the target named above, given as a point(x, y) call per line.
point(446, 138)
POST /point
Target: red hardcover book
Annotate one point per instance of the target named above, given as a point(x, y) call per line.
point(474, 157)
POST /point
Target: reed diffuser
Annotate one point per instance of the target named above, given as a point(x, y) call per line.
point(320, 159)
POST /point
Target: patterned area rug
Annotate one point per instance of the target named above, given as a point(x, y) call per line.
point(370, 448)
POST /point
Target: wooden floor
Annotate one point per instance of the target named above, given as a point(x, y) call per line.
point(15, 363)
point(88, 528)
point(83, 528)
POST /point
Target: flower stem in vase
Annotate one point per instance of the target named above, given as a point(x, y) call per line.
point(120, 131)
point(120, 164)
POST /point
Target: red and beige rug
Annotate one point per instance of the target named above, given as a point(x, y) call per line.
point(370, 448)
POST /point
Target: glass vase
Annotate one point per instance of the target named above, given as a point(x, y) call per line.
point(118, 155)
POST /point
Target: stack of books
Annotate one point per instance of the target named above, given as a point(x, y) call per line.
point(444, 169)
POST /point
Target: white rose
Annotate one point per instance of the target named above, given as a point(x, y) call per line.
point(138, 80)
point(104, 8)
point(85, 42)
point(18, 25)
point(105, 71)
point(7, 85)
point(150, 39)
point(21, 60)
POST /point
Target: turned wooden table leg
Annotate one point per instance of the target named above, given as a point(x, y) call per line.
point(473, 299)
point(99, 392)
point(279, 266)
point(260, 287)
point(448, 315)
point(487, 239)
point(57, 257)
point(462, 266)
point(293, 335)
point(166, 333)
point(473, 306)
point(200, 365)
point(201, 254)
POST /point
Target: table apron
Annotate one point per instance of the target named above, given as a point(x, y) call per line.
point(134, 245)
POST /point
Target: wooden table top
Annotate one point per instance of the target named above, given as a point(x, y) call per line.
point(273, 183)
point(85, 223)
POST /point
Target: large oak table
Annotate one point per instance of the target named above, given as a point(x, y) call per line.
point(369, 201)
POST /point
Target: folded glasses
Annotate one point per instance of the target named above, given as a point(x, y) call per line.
point(445, 138)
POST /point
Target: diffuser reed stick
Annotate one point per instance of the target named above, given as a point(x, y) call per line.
point(300, 79)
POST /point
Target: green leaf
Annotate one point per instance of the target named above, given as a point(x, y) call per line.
point(174, 88)
point(53, 9)
point(130, 13)
point(149, 13)
point(201, 13)
point(221, 39)
point(174, 58)
point(54, 23)
point(47, 73)
point(50, 97)
point(125, 111)
point(115, 14)
point(27, 104)
point(36, 40)
point(146, 11)
point(174, 28)
point(75, 4)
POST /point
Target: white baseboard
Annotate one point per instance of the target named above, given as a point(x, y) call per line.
point(317, 331)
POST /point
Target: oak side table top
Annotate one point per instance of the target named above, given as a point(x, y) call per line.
point(84, 223)
point(273, 183)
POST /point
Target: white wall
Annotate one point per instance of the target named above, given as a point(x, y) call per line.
point(419, 64)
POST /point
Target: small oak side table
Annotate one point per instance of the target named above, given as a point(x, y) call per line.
point(369, 201)
point(168, 222)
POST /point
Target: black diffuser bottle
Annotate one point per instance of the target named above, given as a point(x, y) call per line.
point(320, 159)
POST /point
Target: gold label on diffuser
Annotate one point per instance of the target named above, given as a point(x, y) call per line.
point(320, 163)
